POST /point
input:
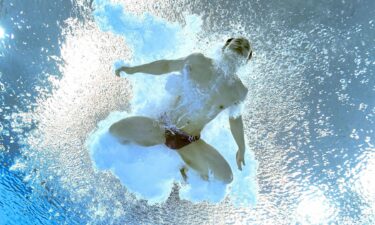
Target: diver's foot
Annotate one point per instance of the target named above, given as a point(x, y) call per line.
point(183, 171)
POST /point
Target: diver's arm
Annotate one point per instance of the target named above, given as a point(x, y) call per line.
point(236, 127)
point(156, 68)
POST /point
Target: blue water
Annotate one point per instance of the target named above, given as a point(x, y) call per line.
point(309, 117)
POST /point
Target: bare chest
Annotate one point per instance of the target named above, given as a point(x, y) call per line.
point(227, 93)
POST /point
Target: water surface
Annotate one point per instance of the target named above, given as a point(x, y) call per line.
point(309, 116)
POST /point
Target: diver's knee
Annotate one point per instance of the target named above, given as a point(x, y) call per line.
point(228, 179)
point(226, 176)
point(117, 130)
point(113, 129)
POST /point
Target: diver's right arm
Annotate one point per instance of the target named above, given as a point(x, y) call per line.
point(156, 68)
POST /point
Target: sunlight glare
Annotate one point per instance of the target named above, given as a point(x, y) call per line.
point(2, 33)
point(314, 208)
point(365, 183)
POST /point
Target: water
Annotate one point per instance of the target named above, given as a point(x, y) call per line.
point(309, 115)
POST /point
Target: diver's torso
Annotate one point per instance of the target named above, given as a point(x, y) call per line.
point(204, 94)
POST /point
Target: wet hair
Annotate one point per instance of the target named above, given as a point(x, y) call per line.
point(238, 43)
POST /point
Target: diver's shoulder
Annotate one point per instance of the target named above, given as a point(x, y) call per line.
point(197, 56)
point(198, 59)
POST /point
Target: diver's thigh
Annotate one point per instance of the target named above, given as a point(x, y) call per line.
point(203, 157)
point(191, 156)
point(141, 130)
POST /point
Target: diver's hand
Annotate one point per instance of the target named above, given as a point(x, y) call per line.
point(240, 158)
point(126, 69)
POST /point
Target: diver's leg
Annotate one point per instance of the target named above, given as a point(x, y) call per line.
point(203, 158)
point(140, 130)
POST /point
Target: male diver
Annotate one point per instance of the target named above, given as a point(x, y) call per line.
point(210, 87)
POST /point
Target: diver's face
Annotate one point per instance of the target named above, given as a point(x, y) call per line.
point(238, 48)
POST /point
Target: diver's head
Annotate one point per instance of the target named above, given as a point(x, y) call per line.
point(240, 46)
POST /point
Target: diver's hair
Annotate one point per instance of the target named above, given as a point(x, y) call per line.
point(241, 39)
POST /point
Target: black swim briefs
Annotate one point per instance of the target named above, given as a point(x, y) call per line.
point(176, 139)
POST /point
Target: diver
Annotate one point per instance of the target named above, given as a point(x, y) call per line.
point(209, 87)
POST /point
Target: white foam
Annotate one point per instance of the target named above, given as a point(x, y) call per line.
point(151, 172)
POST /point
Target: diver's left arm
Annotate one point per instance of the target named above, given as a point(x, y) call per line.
point(155, 68)
point(236, 127)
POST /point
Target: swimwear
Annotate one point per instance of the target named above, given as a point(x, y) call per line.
point(176, 139)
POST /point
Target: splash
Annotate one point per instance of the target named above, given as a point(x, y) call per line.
point(152, 172)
